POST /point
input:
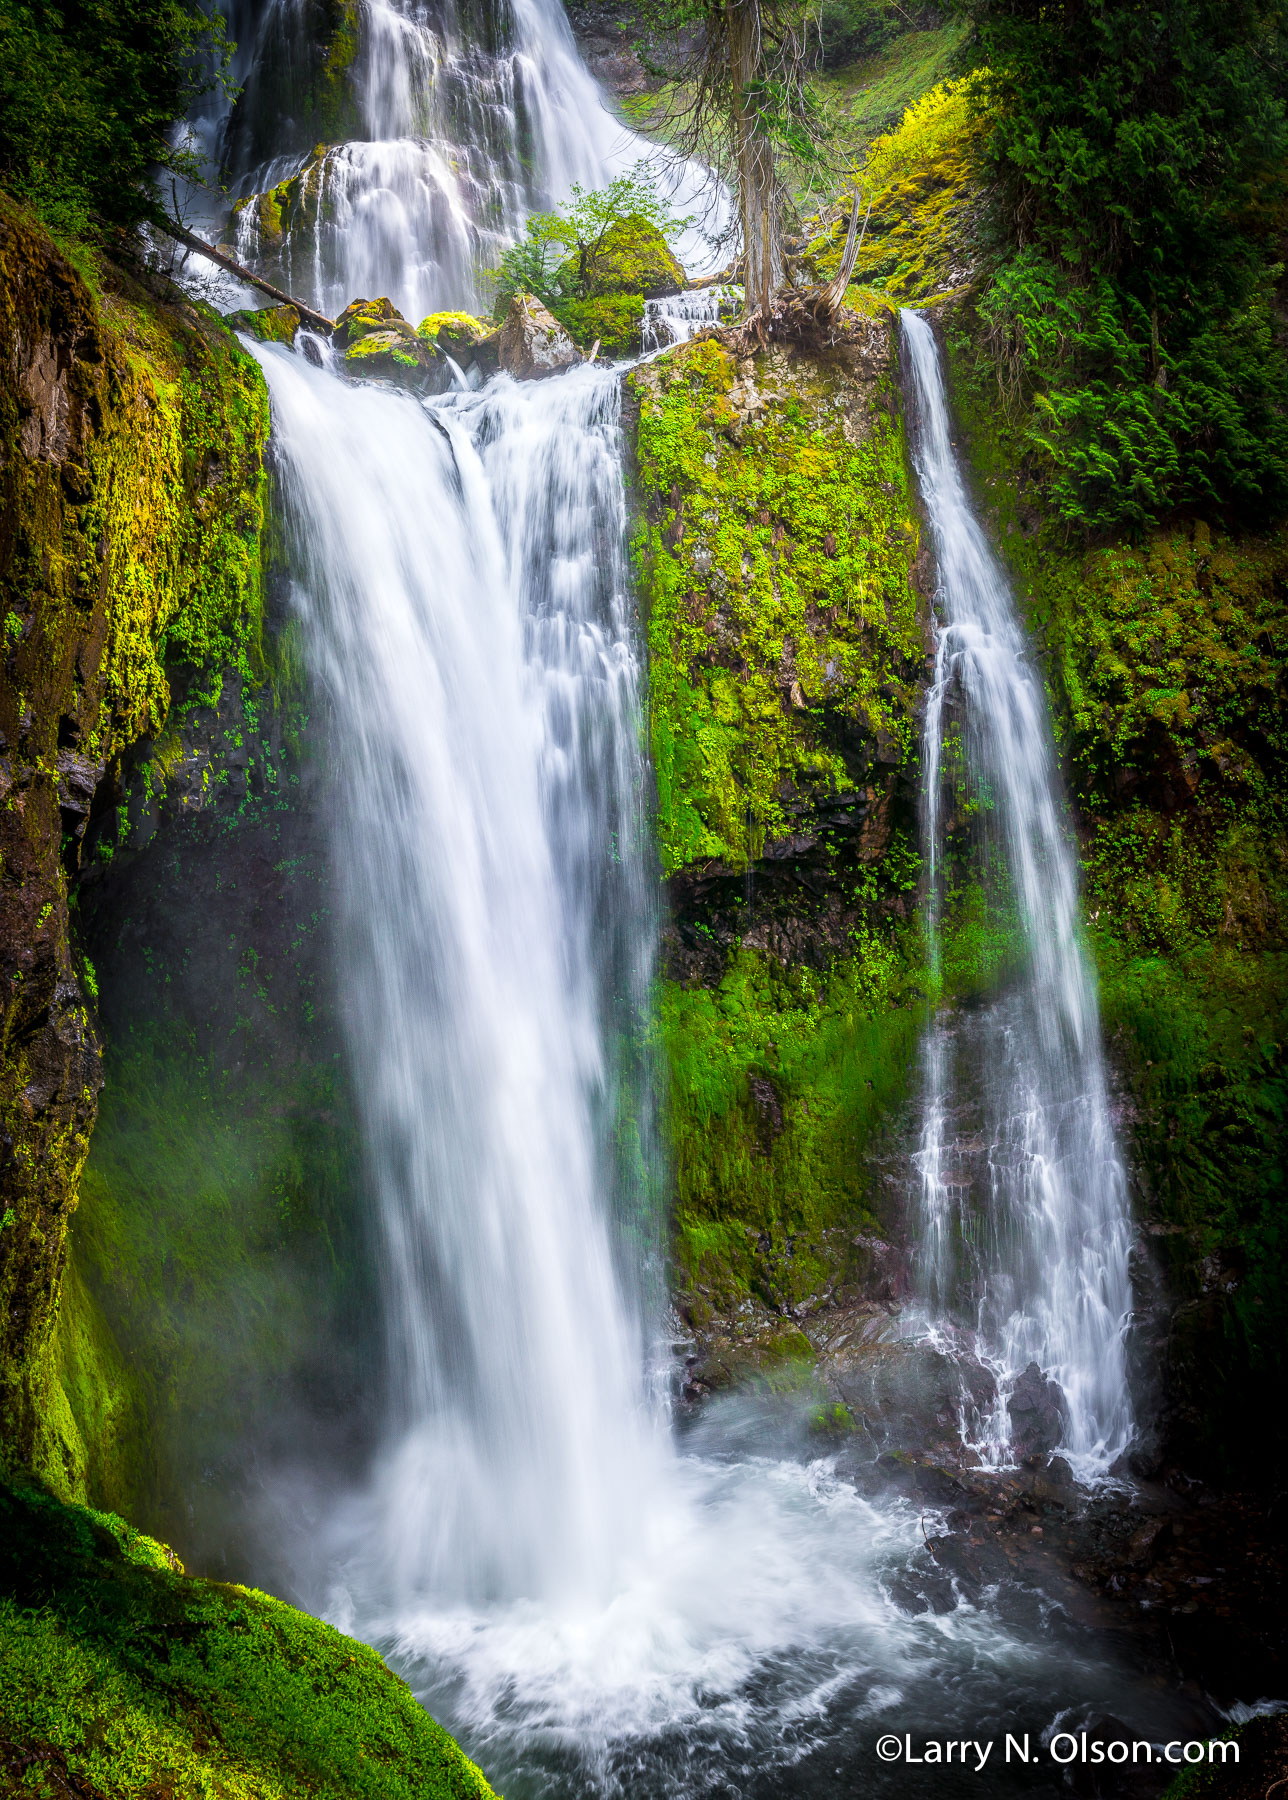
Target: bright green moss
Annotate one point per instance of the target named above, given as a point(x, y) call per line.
point(458, 327)
point(614, 321)
point(631, 257)
point(775, 554)
point(125, 1675)
point(921, 180)
point(779, 1079)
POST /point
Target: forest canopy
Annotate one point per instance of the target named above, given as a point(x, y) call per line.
point(1137, 156)
point(89, 94)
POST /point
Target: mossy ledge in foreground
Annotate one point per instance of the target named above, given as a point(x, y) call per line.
point(123, 1677)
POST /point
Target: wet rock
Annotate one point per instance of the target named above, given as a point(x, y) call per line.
point(909, 1395)
point(533, 342)
point(1036, 1408)
point(361, 317)
point(270, 324)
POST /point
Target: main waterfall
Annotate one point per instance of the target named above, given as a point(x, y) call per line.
point(1037, 1258)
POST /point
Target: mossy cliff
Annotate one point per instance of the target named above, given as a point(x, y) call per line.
point(132, 496)
point(777, 547)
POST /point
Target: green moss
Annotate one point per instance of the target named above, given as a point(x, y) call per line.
point(779, 1080)
point(455, 328)
point(270, 324)
point(133, 562)
point(632, 257)
point(775, 556)
point(127, 1676)
point(212, 1241)
point(615, 321)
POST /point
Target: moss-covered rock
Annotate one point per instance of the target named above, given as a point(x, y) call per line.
point(124, 1676)
point(361, 318)
point(632, 257)
point(270, 324)
point(777, 546)
point(132, 498)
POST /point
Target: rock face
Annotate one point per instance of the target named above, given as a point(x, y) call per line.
point(533, 342)
point(1036, 1408)
point(131, 494)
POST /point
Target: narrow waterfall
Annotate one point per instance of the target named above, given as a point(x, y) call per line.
point(1028, 1242)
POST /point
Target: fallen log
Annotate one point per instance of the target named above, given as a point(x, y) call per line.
point(182, 235)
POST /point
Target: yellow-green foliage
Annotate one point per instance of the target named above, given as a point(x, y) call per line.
point(775, 551)
point(835, 1049)
point(126, 1676)
point(871, 96)
point(184, 568)
point(919, 179)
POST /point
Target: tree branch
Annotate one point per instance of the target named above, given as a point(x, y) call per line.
point(182, 235)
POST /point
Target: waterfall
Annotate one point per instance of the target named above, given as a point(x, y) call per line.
point(595, 1607)
point(1032, 1238)
point(461, 584)
point(457, 125)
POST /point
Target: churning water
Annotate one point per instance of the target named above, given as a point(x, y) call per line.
point(1033, 1251)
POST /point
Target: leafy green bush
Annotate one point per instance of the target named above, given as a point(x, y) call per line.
point(562, 255)
point(1138, 154)
point(89, 91)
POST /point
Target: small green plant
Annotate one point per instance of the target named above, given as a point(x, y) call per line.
point(555, 257)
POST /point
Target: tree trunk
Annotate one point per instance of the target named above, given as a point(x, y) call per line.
point(757, 182)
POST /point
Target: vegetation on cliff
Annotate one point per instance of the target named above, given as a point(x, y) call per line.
point(89, 91)
point(130, 559)
point(1135, 160)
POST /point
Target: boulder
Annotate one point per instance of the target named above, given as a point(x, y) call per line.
point(362, 317)
point(393, 355)
point(1036, 1408)
point(464, 338)
point(632, 257)
point(270, 324)
point(533, 342)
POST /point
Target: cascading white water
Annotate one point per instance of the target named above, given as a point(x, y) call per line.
point(462, 126)
point(594, 1609)
point(462, 590)
point(674, 318)
point(1042, 1257)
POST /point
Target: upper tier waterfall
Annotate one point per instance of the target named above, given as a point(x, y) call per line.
point(401, 156)
point(1029, 1243)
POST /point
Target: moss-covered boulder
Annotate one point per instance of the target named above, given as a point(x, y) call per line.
point(124, 1676)
point(632, 257)
point(361, 317)
point(270, 324)
point(467, 340)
